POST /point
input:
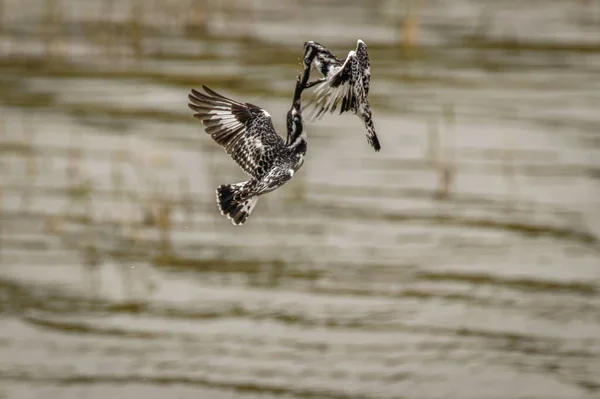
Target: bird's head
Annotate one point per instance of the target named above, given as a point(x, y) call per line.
point(311, 49)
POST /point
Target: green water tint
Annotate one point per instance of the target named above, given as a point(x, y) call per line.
point(461, 261)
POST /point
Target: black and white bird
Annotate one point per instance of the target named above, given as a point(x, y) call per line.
point(343, 80)
point(247, 134)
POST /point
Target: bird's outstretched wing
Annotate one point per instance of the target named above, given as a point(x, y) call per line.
point(348, 84)
point(244, 130)
point(335, 88)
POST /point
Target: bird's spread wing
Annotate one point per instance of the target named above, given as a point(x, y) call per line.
point(339, 86)
point(244, 130)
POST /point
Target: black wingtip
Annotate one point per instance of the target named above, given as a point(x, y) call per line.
point(198, 98)
point(374, 141)
point(209, 95)
point(196, 93)
point(214, 94)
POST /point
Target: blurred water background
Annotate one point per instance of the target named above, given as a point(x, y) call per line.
point(462, 261)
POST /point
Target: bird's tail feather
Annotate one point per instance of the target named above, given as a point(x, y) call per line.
point(371, 135)
point(233, 204)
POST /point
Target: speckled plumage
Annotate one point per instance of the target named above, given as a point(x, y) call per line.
point(247, 134)
point(346, 80)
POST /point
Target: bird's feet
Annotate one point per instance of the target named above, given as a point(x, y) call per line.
point(314, 83)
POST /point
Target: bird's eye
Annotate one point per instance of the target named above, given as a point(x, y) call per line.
point(306, 60)
point(296, 119)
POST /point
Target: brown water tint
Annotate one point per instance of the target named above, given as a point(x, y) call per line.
point(460, 262)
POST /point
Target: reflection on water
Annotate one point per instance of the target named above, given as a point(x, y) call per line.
point(460, 262)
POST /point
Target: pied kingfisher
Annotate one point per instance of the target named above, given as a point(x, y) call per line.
point(346, 80)
point(246, 132)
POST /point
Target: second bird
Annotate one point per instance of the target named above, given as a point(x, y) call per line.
point(346, 80)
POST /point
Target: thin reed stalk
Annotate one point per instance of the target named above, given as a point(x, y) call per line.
point(1, 217)
point(136, 30)
point(49, 26)
point(195, 23)
point(508, 167)
point(164, 227)
point(410, 27)
point(444, 157)
point(31, 167)
point(4, 49)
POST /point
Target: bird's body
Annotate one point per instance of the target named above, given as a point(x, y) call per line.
point(246, 132)
point(346, 80)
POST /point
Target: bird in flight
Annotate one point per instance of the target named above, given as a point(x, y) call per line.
point(247, 134)
point(343, 80)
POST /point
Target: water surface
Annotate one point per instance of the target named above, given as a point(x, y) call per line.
point(462, 261)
